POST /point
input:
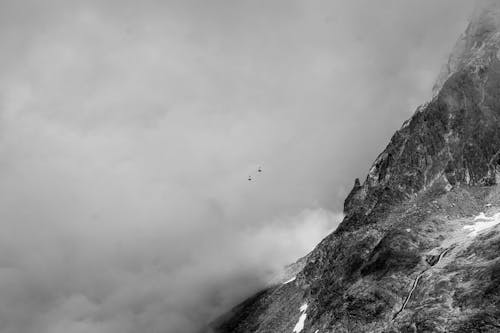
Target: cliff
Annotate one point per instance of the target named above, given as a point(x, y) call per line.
point(419, 248)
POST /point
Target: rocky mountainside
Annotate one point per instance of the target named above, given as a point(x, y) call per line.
point(419, 248)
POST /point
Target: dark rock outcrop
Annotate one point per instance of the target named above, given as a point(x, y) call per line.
point(403, 259)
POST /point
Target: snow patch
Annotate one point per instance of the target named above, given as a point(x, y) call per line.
point(481, 217)
point(482, 222)
point(300, 324)
point(408, 230)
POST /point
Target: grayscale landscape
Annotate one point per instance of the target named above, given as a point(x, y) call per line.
point(243, 166)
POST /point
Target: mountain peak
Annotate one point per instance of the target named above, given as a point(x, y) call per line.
point(484, 21)
point(486, 11)
point(405, 251)
point(480, 40)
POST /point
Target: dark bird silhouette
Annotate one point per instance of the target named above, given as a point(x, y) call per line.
point(249, 179)
point(260, 169)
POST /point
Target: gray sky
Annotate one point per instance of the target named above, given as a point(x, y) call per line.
point(128, 130)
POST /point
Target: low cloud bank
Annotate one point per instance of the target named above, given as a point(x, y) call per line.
point(128, 130)
point(104, 231)
point(60, 277)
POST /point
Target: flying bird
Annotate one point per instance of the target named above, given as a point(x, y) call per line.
point(259, 169)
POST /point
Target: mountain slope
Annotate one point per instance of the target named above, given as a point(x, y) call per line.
point(418, 250)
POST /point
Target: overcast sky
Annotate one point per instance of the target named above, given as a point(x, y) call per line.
point(128, 130)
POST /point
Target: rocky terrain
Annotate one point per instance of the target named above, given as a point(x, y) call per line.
point(419, 248)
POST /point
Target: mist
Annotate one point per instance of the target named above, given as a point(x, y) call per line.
point(128, 131)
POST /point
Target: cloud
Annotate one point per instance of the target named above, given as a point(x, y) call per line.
point(128, 130)
point(106, 231)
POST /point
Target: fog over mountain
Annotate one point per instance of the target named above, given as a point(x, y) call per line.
point(128, 130)
point(418, 248)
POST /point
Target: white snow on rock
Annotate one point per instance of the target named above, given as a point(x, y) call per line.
point(482, 222)
point(300, 324)
point(481, 217)
point(291, 280)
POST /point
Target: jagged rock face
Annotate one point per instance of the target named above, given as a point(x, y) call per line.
point(479, 36)
point(454, 138)
point(401, 261)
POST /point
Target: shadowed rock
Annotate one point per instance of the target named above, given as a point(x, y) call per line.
point(386, 261)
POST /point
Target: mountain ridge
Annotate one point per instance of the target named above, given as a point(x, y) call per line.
point(404, 258)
